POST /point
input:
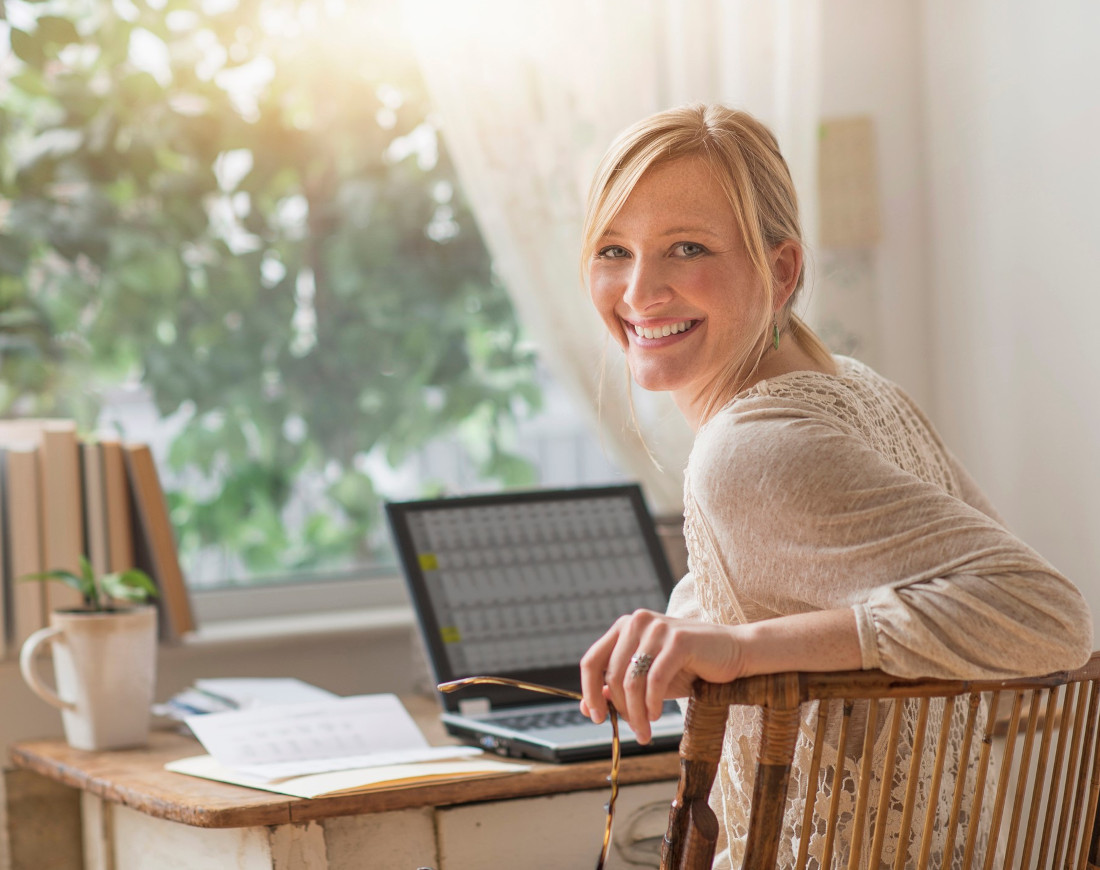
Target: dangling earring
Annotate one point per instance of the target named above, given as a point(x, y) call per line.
point(775, 333)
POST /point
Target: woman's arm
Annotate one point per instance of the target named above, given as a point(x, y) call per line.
point(684, 650)
point(802, 516)
point(882, 569)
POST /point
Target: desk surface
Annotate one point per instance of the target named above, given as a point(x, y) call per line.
point(136, 778)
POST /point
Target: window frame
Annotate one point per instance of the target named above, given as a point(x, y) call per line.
point(361, 592)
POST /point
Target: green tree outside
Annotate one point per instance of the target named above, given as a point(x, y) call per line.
point(249, 210)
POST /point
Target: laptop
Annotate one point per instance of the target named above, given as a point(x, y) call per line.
point(519, 584)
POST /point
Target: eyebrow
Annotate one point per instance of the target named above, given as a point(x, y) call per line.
point(672, 231)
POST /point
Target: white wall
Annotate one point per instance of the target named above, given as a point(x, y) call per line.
point(871, 67)
point(1012, 100)
point(982, 297)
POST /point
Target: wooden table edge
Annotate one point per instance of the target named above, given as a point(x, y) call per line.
point(267, 808)
point(105, 775)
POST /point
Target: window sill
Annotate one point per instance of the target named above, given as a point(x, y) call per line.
point(296, 601)
point(349, 652)
point(328, 625)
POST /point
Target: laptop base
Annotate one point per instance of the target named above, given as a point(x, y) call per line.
point(517, 747)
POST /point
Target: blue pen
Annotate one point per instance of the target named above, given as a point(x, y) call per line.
point(186, 708)
point(221, 699)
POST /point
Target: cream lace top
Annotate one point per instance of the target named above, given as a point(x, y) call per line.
point(811, 492)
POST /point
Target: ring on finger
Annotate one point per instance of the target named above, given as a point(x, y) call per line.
point(639, 665)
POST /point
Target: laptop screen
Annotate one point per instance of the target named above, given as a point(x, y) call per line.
point(521, 584)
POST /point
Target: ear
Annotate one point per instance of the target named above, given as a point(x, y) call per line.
point(786, 263)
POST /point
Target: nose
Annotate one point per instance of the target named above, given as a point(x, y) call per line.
point(646, 287)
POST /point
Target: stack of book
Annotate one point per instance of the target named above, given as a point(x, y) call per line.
point(62, 497)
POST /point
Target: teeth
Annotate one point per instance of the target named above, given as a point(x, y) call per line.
point(662, 331)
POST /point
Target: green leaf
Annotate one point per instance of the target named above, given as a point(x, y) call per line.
point(511, 470)
point(132, 585)
point(52, 28)
point(67, 576)
point(69, 579)
point(28, 48)
point(88, 582)
point(29, 81)
point(14, 255)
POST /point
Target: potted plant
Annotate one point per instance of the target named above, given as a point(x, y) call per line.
point(104, 656)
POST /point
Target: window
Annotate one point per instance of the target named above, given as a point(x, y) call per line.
point(231, 229)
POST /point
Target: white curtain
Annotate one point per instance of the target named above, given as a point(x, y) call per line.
point(529, 93)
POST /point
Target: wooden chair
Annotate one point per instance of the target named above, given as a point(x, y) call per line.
point(1037, 806)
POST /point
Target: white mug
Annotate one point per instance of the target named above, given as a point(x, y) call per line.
point(105, 671)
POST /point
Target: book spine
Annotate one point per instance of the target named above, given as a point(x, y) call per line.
point(155, 542)
point(6, 581)
point(120, 516)
point(96, 542)
point(62, 514)
point(23, 543)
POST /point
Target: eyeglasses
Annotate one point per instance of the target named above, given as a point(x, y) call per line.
point(612, 716)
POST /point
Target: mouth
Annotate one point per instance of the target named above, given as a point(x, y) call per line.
point(664, 330)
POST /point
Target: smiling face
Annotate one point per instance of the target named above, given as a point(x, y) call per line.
point(675, 286)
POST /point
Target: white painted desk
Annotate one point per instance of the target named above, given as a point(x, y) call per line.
point(137, 816)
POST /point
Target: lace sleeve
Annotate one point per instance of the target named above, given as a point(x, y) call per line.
point(683, 602)
point(819, 519)
point(969, 627)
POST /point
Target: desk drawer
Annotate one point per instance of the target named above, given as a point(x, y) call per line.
point(549, 833)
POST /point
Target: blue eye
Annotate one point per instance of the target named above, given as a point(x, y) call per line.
point(611, 252)
point(691, 249)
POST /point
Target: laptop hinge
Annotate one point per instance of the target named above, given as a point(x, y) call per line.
point(474, 706)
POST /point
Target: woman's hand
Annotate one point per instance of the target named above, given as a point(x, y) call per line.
point(679, 650)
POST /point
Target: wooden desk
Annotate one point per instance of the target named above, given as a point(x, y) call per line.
point(138, 815)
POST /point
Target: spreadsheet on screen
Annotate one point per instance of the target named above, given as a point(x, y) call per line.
point(524, 585)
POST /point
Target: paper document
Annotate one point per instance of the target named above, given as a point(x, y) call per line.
point(245, 693)
point(353, 781)
point(277, 741)
point(238, 693)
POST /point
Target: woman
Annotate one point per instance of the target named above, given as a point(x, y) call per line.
point(828, 527)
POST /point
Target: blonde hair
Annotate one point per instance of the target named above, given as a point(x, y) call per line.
point(744, 158)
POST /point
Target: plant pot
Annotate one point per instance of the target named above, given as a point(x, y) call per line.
point(105, 672)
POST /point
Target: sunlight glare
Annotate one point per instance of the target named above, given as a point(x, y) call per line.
point(149, 54)
point(245, 84)
point(292, 216)
point(442, 191)
point(20, 15)
point(279, 22)
point(179, 20)
point(211, 8)
point(126, 10)
point(304, 320)
point(272, 270)
point(230, 167)
point(423, 141)
point(212, 54)
point(295, 429)
point(389, 96)
point(484, 26)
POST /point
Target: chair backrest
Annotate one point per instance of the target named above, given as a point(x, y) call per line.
point(990, 773)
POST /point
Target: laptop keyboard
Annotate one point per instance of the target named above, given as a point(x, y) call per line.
point(563, 718)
